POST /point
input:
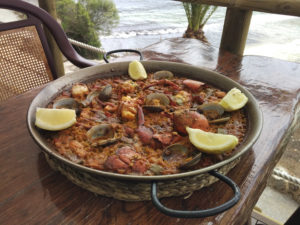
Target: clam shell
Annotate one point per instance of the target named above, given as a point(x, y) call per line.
point(177, 152)
point(163, 74)
point(100, 131)
point(67, 103)
point(163, 101)
point(211, 110)
point(102, 134)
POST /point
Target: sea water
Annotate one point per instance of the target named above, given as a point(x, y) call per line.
point(144, 22)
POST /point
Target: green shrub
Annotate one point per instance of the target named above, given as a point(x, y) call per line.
point(80, 21)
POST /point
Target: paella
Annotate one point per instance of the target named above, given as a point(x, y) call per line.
point(146, 125)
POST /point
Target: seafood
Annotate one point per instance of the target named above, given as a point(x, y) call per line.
point(79, 91)
point(126, 160)
point(163, 74)
point(102, 134)
point(184, 118)
point(183, 155)
point(139, 127)
point(145, 134)
point(194, 85)
point(211, 110)
point(105, 93)
point(164, 82)
point(128, 108)
point(67, 103)
point(221, 120)
point(156, 102)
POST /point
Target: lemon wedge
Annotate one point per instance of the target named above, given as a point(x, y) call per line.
point(233, 100)
point(54, 119)
point(210, 142)
point(137, 71)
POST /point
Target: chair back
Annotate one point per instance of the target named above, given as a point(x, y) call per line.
point(26, 61)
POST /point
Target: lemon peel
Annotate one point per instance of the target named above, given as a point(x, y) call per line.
point(137, 71)
point(54, 119)
point(233, 100)
point(211, 143)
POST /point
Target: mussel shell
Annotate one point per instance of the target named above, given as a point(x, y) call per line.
point(105, 93)
point(163, 74)
point(211, 110)
point(163, 99)
point(67, 103)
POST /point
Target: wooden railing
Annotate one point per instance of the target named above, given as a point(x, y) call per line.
point(238, 18)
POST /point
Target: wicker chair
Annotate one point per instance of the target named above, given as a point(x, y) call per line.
point(25, 57)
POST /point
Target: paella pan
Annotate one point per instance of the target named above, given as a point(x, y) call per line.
point(147, 149)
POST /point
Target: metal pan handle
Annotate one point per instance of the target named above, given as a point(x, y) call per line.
point(121, 50)
point(199, 213)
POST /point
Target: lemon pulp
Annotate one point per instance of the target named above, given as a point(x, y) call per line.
point(234, 100)
point(137, 71)
point(210, 142)
point(54, 119)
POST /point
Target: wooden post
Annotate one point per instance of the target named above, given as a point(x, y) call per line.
point(50, 7)
point(235, 30)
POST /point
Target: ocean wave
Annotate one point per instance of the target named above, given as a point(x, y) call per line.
point(129, 34)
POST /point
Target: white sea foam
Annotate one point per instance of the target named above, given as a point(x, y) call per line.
point(144, 32)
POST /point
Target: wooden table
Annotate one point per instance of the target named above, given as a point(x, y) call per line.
point(31, 193)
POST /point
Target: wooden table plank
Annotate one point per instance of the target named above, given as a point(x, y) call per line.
point(31, 193)
point(18, 152)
